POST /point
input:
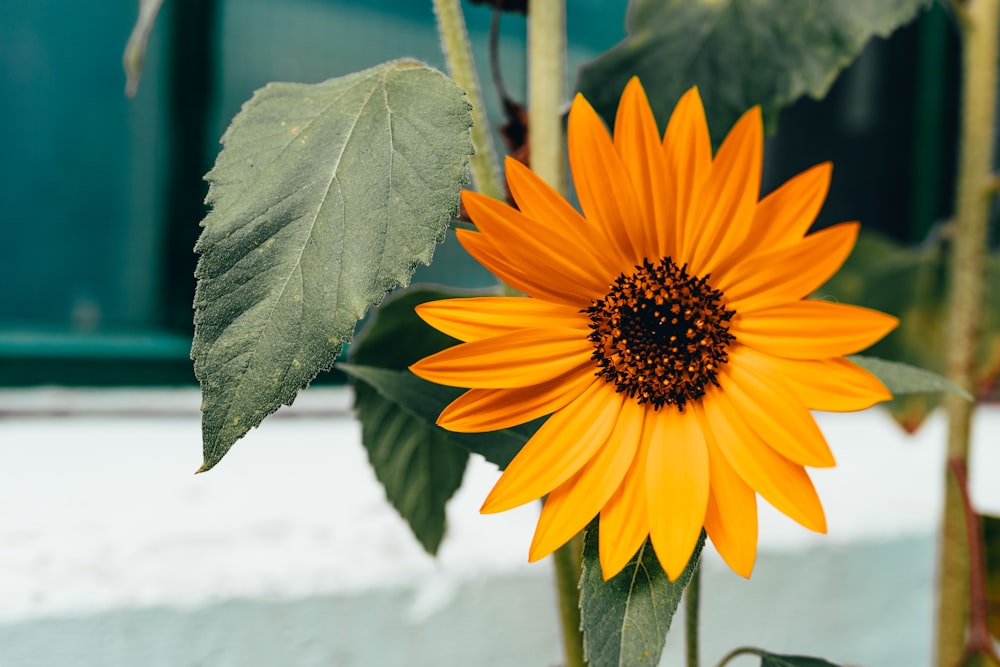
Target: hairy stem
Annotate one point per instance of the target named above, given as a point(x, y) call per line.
point(546, 78)
point(455, 43)
point(974, 193)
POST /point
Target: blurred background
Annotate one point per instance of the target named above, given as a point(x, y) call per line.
point(111, 553)
point(101, 196)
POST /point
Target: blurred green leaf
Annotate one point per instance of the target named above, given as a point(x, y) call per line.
point(911, 283)
point(626, 619)
point(417, 464)
point(991, 547)
point(905, 379)
point(425, 400)
point(324, 198)
point(738, 52)
point(395, 336)
point(134, 58)
point(419, 467)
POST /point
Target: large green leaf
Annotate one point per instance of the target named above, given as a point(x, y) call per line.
point(324, 198)
point(417, 464)
point(738, 52)
point(425, 400)
point(626, 619)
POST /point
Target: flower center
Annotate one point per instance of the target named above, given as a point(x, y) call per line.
point(660, 335)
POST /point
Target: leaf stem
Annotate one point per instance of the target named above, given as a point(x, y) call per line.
point(974, 194)
point(743, 650)
point(546, 80)
point(568, 560)
point(692, 603)
point(458, 52)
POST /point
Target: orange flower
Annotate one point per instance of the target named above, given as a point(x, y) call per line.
point(666, 331)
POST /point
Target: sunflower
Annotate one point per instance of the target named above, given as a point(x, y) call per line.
point(667, 333)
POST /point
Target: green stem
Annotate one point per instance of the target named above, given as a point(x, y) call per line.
point(568, 560)
point(974, 193)
point(455, 43)
point(546, 77)
point(692, 603)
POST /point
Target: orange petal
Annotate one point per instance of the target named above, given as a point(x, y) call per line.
point(602, 184)
point(481, 410)
point(782, 483)
point(476, 318)
point(624, 521)
point(572, 505)
point(789, 273)
point(724, 207)
point(676, 487)
point(532, 284)
point(811, 329)
point(785, 215)
point(563, 445)
point(835, 385)
point(541, 247)
point(519, 359)
point(687, 148)
point(755, 390)
point(638, 142)
point(540, 202)
point(731, 514)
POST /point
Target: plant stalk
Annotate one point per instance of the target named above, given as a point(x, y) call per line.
point(546, 80)
point(974, 194)
point(568, 560)
point(692, 608)
point(458, 53)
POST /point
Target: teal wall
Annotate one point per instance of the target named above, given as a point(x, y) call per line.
point(79, 218)
point(100, 196)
